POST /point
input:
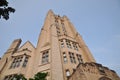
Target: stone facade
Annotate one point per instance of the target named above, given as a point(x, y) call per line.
point(93, 71)
point(60, 51)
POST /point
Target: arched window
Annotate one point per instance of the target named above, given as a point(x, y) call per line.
point(104, 78)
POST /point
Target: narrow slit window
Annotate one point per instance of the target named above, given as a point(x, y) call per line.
point(62, 43)
point(64, 57)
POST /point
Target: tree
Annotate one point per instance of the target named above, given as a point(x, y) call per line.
point(19, 77)
point(39, 76)
point(5, 10)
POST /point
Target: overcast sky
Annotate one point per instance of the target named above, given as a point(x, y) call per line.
point(98, 21)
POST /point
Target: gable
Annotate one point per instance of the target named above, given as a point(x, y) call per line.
point(27, 45)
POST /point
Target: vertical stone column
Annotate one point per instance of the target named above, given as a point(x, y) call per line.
point(56, 64)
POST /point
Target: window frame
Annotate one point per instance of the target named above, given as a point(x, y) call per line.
point(45, 57)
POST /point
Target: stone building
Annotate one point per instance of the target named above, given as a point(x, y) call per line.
point(93, 71)
point(60, 51)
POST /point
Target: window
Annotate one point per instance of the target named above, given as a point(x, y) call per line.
point(9, 77)
point(58, 30)
point(62, 44)
point(16, 62)
point(45, 57)
point(67, 73)
point(64, 57)
point(63, 28)
point(72, 57)
point(75, 46)
point(68, 44)
point(57, 27)
point(79, 57)
point(25, 61)
point(6, 78)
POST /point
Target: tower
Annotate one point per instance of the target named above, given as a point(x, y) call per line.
point(60, 48)
point(60, 51)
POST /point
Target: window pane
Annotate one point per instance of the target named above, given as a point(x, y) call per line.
point(45, 57)
point(67, 73)
point(25, 61)
point(16, 62)
point(64, 57)
point(79, 57)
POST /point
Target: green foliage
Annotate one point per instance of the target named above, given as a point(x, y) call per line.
point(5, 10)
point(39, 76)
point(19, 77)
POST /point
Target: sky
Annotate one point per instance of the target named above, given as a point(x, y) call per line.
point(98, 21)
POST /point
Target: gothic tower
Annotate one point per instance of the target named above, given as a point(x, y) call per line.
point(60, 51)
point(60, 48)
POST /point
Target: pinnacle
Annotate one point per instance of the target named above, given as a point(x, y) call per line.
point(50, 11)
